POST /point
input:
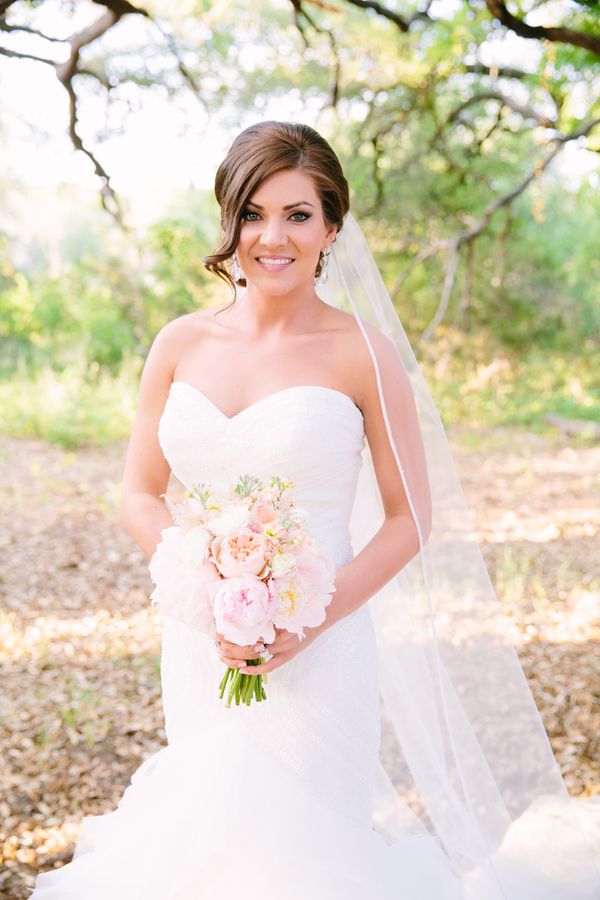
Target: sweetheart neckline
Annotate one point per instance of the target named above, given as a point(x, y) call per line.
point(261, 400)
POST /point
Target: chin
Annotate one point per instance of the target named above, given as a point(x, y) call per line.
point(277, 287)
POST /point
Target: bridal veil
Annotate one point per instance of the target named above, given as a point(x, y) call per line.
point(465, 754)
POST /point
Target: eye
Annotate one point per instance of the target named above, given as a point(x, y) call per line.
point(304, 215)
point(247, 213)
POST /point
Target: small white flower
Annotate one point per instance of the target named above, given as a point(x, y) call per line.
point(194, 545)
point(229, 519)
point(282, 563)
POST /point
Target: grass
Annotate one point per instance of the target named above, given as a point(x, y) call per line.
point(70, 409)
point(477, 385)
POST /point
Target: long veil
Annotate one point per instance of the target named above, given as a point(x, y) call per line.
point(465, 756)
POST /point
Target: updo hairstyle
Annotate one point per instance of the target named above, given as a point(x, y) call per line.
point(259, 151)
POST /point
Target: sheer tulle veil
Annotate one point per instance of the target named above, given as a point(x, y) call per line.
point(465, 755)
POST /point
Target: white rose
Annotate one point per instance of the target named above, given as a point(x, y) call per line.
point(194, 545)
point(231, 518)
point(282, 563)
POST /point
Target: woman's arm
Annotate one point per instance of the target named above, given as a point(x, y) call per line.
point(146, 473)
point(397, 541)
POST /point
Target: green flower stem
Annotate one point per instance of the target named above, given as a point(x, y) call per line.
point(224, 682)
point(250, 691)
point(232, 686)
point(243, 688)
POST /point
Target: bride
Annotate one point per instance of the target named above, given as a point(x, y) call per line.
point(398, 753)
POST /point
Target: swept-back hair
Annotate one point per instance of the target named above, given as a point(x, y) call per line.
point(259, 151)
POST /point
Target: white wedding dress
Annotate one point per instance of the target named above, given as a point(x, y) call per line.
point(275, 799)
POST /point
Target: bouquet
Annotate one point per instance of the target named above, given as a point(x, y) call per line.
point(241, 564)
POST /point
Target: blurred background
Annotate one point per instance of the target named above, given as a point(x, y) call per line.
point(470, 133)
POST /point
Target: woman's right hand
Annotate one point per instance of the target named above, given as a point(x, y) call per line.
point(235, 655)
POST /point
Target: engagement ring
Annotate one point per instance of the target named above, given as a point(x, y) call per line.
point(265, 654)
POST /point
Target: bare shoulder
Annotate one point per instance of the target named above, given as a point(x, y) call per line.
point(177, 336)
point(355, 356)
point(189, 324)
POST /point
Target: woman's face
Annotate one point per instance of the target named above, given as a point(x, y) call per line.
point(282, 233)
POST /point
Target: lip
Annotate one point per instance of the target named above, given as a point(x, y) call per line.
point(274, 266)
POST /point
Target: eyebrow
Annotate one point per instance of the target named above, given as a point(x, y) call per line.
point(289, 205)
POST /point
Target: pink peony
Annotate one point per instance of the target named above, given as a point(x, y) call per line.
point(242, 552)
point(303, 594)
point(183, 578)
point(243, 609)
point(264, 513)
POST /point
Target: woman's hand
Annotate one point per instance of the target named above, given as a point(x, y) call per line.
point(285, 646)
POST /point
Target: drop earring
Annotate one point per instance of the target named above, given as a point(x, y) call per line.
point(324, 255)
point(236, 270)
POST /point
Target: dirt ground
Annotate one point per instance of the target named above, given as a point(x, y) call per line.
point(80, 645)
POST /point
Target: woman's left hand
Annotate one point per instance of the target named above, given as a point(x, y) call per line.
point(285, 646)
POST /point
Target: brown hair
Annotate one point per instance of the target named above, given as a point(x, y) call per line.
point(259, 151)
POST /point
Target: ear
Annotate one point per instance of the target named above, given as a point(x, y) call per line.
point(330, 234)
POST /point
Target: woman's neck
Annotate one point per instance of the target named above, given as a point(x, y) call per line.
point(259, 313)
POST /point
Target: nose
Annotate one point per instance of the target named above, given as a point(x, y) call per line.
point(273, 233)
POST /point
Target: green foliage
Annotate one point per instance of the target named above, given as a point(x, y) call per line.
point(429, 143)
point(73, 344)
point(177, 282)
point(481, 383)
point(110, 296)
point(72, 407)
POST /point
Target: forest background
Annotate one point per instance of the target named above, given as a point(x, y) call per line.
point(470, 141)
point(470, 134)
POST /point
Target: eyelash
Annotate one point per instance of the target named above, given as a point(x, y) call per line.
point(250, 212)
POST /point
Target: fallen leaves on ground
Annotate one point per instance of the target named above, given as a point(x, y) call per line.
point(80, 643)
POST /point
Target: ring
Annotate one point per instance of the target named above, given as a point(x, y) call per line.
point(265, 654)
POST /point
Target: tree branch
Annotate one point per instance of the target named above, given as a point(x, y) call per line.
point(399, 22)
point(402, 23)
point(113, 11)
point(65, 73)
point(300, 13)
point(123, 8)
point(453, 245)
point(377, 179)
point(451, 270)
point(66, 70)
point(187, 76)
point(108, 197)
point(536, 170)
point(495, 71)
point(25, 29)
point(540, 32)
point(14, 54)
point(505, 100)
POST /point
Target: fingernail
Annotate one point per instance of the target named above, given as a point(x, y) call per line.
point(241, 665)
point(258, 647)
